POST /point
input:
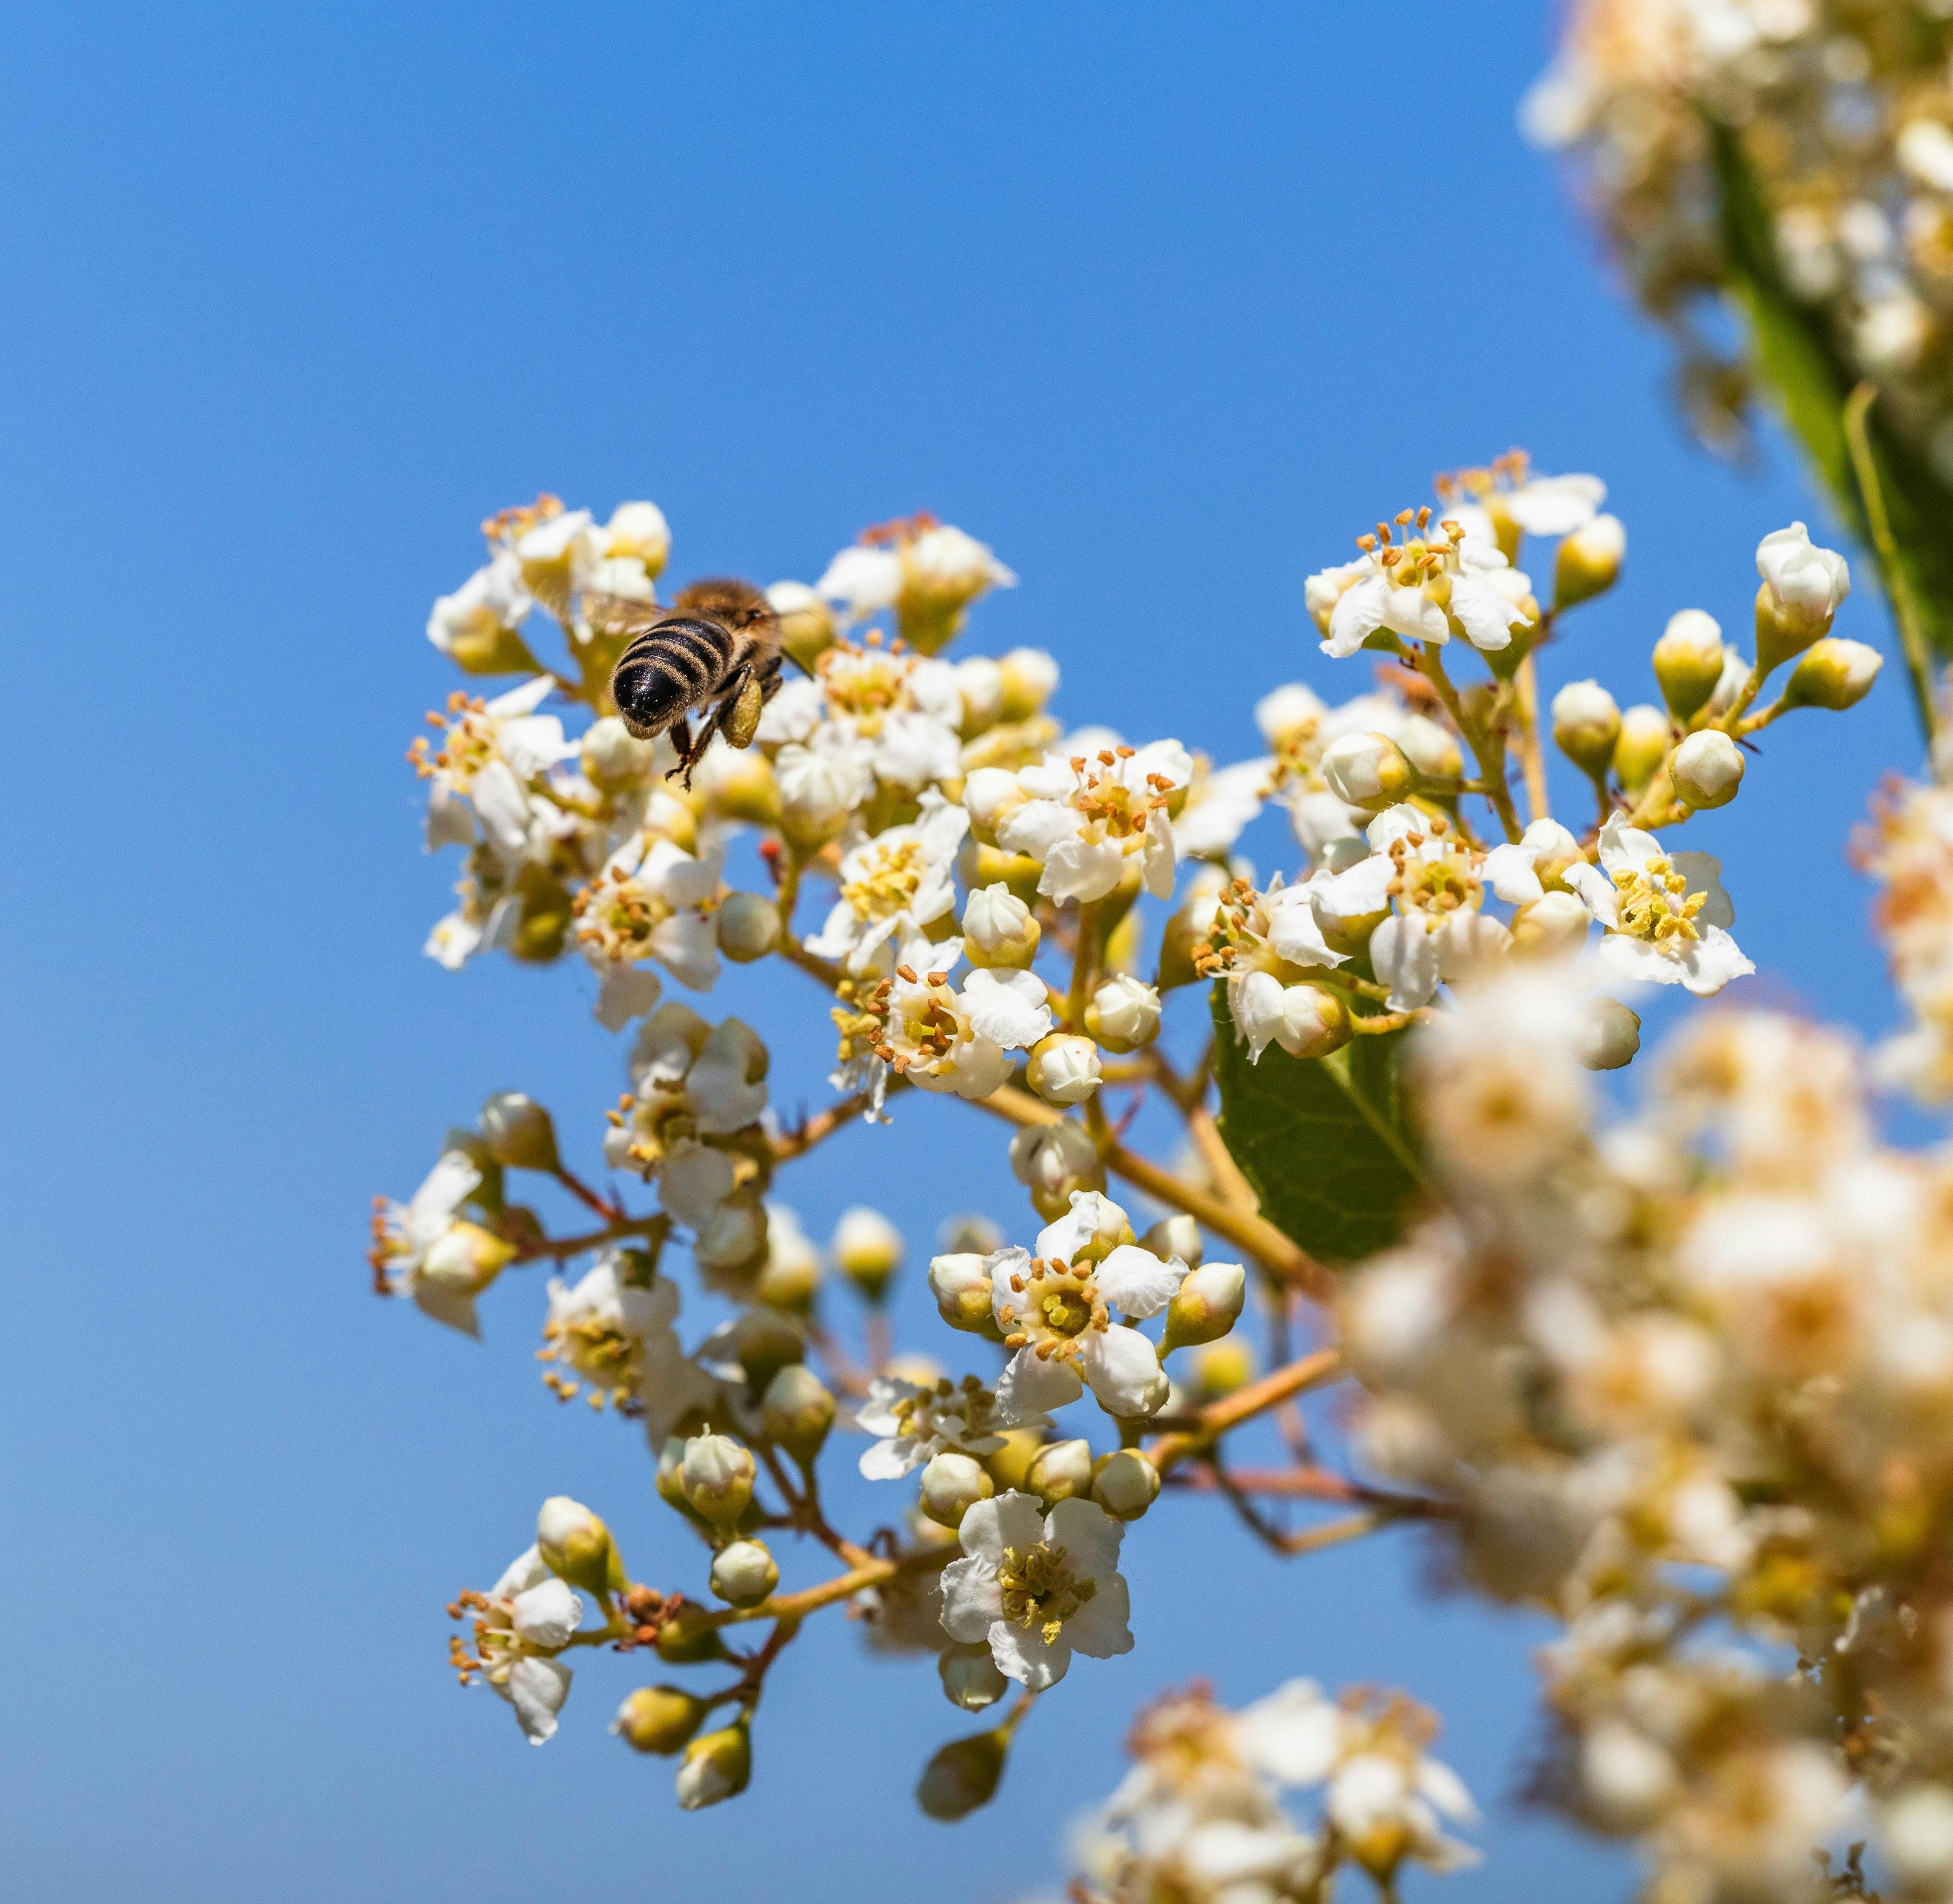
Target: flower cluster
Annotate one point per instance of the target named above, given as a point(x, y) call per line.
point(1844, 115)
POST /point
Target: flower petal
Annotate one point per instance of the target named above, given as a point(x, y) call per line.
point(1100, 1629)
point(1136, 1283)
point(972, 1600)
point(1022, 1654)
point(1124, 1369)
point(1031, 1384)
point(1089, 1535)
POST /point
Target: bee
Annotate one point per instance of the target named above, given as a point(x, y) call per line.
point(717, 645)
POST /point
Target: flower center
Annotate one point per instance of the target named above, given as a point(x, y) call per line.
point(1066, 1312)
point(888, 885)
point(1657, 904)
point(1040, 1590)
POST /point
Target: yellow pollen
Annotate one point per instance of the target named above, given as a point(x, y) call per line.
point(1040, 1590)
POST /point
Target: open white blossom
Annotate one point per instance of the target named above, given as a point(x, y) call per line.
point(1666, 914)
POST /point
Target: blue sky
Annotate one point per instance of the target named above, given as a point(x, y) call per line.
point(1167, 303)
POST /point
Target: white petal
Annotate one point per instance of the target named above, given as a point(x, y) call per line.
point(1358, 614)
point(624, 992)
point(1082, 870)
point(546, 1614)
point(1000, 1266)
point(1124, 1369)
point(687, 947)
point(1009, 1008)
point(1602, 898)
point(1032, 1385)
point(890, 1460)
point(1008, 1519)
point(1626, 848)
point(971, 1599)
point(1088, 1534)
point(1486, 617)
point(1508, 871)
point(1710, 963)
point(1405, 957)
point(1099, 1629)
point(537, 1689)
point(1033, 827)
point(1021, 1653)
point(1295, 1733)
point(525, 1571)
point(1704, 872)
point(1135, 1282)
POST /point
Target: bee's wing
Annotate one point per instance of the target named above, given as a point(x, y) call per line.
point(621, 614)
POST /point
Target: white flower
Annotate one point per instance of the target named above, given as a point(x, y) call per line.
point(863, 581)
point(1083, 815)
point(428, 1254)
point(1038, 1587)
point(917, 1423)
point(1512, 870)
point(526, 1617)
point(892, 886)
point(1055, 1309)
point(1666, 915)
point(1422, 591)
point(650, 902)
point(1373, 600)
point(1219, 806)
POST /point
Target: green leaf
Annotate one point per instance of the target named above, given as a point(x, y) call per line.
point(1799, 360)
point(1326, 1144)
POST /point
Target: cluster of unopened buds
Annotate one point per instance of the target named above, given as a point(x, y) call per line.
point(1592, 1362)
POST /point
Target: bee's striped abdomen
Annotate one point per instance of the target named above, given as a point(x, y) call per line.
point(668, 669)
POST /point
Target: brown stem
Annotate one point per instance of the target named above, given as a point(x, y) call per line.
point(1490, 751)
point(1526, 702)
point(584, 1195)
point(1217, 1418)
point(557, 1249)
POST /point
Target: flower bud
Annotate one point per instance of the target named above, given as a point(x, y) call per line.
point(688, 1637)
point(1064, 1069)
point(1220, 1368)
point(1643, 746)
point(1550, 926)
point(1028, 679)
point(1431, 748)
point(659, 1718)
point(792, 1273)
point(1708, 769)
point(744, 1573)
point(614, 759)
point(671, 1472)
point(988, 794)
point(1125, 1483)
point(1177, 1235)
point(1802, 588)
point(717, 1478)
point(970, 1677)
point(1054, 1160)
point(716, 1766)
point(1008, 1466)
point(731, 1241)
point(576, 1546)
point(797, 1411)
point(739, 783)
point(1367, 770)
point(1315, 1020)
point(962, 1291)
point(807, 622)
point(868, 1251)
point(962, 1776)
point(1835, 674)
point(1589, 562)
point(638, 530)
point(817, 791)
point(748, 927)
point(1123, 1014)
point(999, 931)
point(1207, 1306)
point(518, 1132)
point(1586, 723)
point(951, 1484)
point(464, 1260)
point(763, 1342)
point(1688, 661)
point(1608, 1035)
point(1059, 1470)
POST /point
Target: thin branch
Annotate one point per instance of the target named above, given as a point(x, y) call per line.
point(1905, 611)
point(1217, 1418)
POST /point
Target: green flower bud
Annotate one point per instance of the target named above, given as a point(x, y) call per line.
point(1586, 723)
point(737, 783)
point(1123, 1014)
point(1589, 562)
point(748, 927)
point(1431, 748)
point(1549, 926)
point(951, 1484)
point(717, 1477)
point(1177, 1235)
point(1708, 769)
point(1643, 746)
point(970, 1677)
point(797, 1411)
point(1610, 1035)
point(614, 759)
point(518, 1133)
point(999, 931)
point(1054, 1160)
point(1063, 1068)
point(1688, 661)
point(963, 1777)
point(1803, 586)
point(1009, 1465)
point(659, 1719)
point(717, 1767)
point(962, 1293)
point(1060, 1470)
point(576, 1546)
point(687, 1636)
point(744, 1573)
point(1222, 1367)
point(1835, 673)
point(1369, 771)
point(807, 622)
point(763, 1342)
point(1206, 1307)
point(1125, 1483)
point(867, 1250)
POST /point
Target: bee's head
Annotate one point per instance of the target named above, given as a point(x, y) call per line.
point(733, 604)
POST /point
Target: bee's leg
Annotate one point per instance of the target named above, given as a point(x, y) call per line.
point(770, 680)
point(730, 696)
point(743, 719)
point(680, 731)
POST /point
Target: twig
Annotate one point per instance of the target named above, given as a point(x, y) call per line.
point(1217, 1417)
point(1858, 407)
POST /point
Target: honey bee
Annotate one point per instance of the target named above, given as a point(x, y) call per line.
point(717, 645)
